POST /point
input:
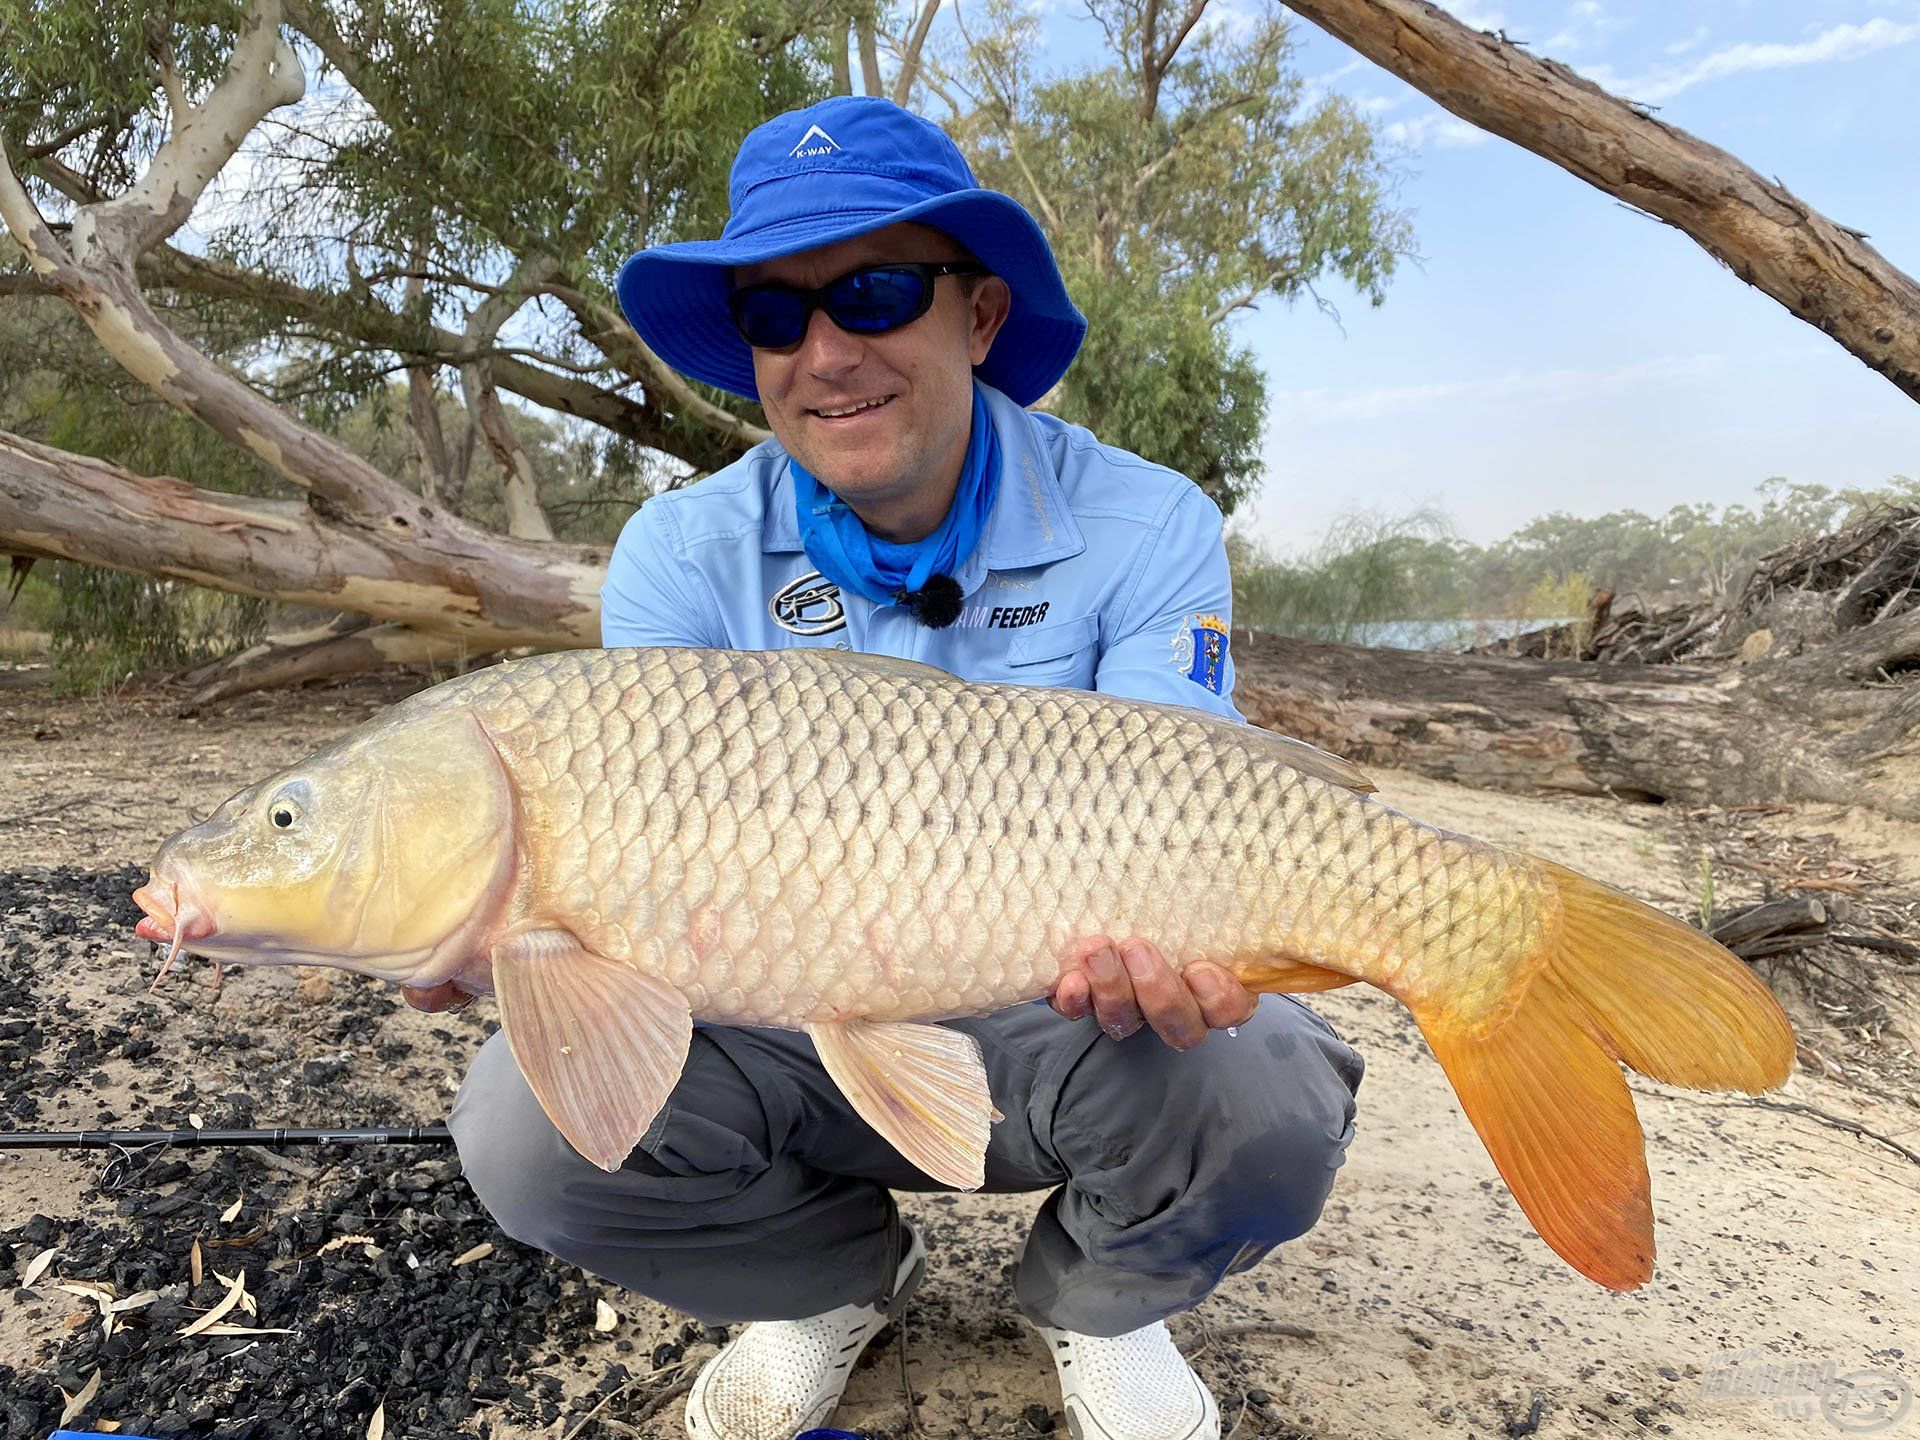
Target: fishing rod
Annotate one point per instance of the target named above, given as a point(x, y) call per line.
point(134, 1139)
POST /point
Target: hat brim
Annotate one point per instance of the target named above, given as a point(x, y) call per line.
point(675, 296)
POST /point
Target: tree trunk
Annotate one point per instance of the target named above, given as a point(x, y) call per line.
point(488, 592)
point(1805, 728)
point(1824, 273)
point(345, 645)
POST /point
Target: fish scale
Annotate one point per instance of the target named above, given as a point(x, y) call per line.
point(617, 842)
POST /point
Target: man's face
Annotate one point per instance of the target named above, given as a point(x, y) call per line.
point(881, 458)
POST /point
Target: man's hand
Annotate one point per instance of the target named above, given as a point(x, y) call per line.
point(1127, 984)
point(434, 998)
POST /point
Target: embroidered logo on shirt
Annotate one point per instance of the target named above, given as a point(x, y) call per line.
point(1001, 617)
point(808, 605)
point(1200, 651)
point(826, 146)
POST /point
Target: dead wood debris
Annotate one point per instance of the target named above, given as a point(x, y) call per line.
point(1806, 592)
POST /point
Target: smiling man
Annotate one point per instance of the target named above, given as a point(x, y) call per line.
point(894, 321)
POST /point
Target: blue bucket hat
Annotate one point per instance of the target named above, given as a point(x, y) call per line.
point(844, 167)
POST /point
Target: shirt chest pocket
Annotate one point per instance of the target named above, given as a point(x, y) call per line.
point(1057, 652)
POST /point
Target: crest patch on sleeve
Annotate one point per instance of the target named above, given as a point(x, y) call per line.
point(1200, 651)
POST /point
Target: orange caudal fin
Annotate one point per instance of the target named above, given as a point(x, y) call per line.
point(1542, 1085)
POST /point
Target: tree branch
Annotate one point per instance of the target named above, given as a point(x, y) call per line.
point(621, 343)
point(1822, 272)
point(1248, 298)
point(262, 75)
point(869, 57)
point(910, 53)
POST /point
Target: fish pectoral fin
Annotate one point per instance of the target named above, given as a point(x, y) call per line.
point(923, 1087)
point(601, 1044)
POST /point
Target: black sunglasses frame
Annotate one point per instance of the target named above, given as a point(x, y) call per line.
point(821, 298)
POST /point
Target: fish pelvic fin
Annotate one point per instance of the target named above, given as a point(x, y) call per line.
point(1284, 975)
point(1541, 1082)
point(601, 1044)
point(923, 1087)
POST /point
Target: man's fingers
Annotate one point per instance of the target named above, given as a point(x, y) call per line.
point(1112, 992)
point(1072, 996)
point(1165, 1002)
point(1223, 1000)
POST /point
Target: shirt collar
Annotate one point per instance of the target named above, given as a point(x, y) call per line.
point(1030, 523)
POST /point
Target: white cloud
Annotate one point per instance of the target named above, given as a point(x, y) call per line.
point(1437, 129)
point(1478, 14)
point(1841, 42)
point(1692, 42)
point(1534, 388)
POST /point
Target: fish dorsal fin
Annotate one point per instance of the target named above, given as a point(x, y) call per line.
point(601, 1044)
point(923, 1087)
point(891, 665)
point(1321, 764)
point(1308, 759)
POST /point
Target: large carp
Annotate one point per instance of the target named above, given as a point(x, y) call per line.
point(615, 842)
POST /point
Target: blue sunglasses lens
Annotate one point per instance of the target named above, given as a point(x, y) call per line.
point(770, 318)
point(867, 302)
point(872, 301)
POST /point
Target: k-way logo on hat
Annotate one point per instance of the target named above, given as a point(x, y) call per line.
point(806, 146)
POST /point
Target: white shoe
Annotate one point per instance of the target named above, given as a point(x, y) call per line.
point(1136, 1386)
point(784, 1376)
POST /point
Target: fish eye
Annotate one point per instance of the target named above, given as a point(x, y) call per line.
point(284, 810)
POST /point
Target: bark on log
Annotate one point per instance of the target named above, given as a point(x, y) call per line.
point(345, 645)
point(1801, 729)
point(1824, 273)
point(444, 578)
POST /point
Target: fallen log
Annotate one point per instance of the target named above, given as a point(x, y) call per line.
point(1829, 726)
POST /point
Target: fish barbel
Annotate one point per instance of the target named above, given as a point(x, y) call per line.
point(615, 842)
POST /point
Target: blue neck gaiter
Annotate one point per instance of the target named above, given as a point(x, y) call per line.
point(918, 576)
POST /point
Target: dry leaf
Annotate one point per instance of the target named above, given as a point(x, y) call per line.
point(478, 1252)
point(100, 1295)
point(133, 1302)
point(195, 1267)
point(109, 1426)
point(78, 1403)
point(236, 1288)
point(605, 1317)
point(377, 1425)
point(228, 1215)
point(37, 1267)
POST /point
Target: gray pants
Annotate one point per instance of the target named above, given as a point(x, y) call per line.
point(757, 1194)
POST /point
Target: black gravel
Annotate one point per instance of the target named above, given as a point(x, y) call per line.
point(448, 1350)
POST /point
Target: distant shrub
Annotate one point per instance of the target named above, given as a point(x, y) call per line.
point(108, 625)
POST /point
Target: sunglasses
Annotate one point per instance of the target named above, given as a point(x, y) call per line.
point(868, 301)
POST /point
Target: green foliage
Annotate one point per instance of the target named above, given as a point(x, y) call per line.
point(1159, 381)
point(111, 625)
point(1172, 201)
point(1370, 568)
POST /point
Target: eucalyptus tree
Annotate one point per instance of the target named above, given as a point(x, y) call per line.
point(348, 198)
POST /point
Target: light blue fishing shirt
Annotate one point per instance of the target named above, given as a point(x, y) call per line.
point(1097, 570)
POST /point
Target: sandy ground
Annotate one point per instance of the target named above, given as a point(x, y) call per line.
point(1422, 1304)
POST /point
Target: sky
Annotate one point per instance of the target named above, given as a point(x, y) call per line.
point(1553, 349)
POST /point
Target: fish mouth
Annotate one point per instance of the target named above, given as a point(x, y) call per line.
point(165, 919)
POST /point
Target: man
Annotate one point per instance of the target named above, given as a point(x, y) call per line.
point(892, 319)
